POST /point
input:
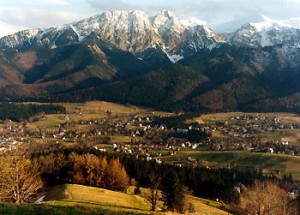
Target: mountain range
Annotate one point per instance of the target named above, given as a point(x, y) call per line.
point(159, 61)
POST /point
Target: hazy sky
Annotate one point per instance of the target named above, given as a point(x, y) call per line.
point(23, 14)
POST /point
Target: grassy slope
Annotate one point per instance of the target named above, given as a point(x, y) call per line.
point(95, 197)
point(285, 163)
point(77, 199)
point(212, 118)
point(86, 111)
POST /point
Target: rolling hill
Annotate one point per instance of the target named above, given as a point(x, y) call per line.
point(78, 199)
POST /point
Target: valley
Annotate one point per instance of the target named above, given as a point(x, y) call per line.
point(143, 137)
point(266, 142)
point(127, 112)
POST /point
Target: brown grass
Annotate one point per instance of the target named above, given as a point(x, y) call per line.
point(93, 107)
point(90, 197)
point(97, 196)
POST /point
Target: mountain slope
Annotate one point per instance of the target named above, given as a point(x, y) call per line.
point(161, 88)
point(159, 61)
point(132, 31)
point(266, 32)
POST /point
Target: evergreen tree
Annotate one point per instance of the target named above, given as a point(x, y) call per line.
point(173, 192)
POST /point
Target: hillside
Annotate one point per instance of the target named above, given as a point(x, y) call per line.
point(78, 199)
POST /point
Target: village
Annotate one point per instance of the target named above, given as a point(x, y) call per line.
point(247, 130)
point(176, 139)
point(151, 136)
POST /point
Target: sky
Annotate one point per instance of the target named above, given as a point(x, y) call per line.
point(17, 15)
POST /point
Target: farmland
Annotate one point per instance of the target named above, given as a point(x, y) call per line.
point(238, 140)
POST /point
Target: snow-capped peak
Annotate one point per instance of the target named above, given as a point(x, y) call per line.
point(258, 21)
point(113, 20)
point(132, 31)
point(165, 20)
point(268, 23)
point(295, 22)
point(165, 13)
point(265, 32)
point(21, 37)
point(191, 22)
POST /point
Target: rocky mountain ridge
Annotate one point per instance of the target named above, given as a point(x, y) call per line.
point(132, 31)
point(159, 61)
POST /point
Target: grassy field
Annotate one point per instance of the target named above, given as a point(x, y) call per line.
point(77, 199)
point(222, 117)
point(89, 111)
point(227, 159)
point(94, 197)
point(290, 135)
point(212, 118)
point(96, 107)
point(285, 163)
point(202, 206)
point(86, 111)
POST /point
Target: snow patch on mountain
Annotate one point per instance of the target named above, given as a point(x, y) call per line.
point(165, 21)
point(267, 32)
point(132, 31)
point(269, 23)
point(295, 22)
point(174, 58)
point(191, 22)
point(234, 25)
point(20, 38)
point(261, 21)
point(80, 37)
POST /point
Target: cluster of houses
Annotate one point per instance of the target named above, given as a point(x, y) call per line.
point(152, 141)
point(244, 132)
point(11, 136)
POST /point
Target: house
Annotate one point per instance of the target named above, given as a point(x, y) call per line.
point(180, 130)
point(237, 188)
point(296, 192)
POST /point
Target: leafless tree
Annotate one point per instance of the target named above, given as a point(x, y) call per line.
point(154, 195)
point(265, 197)
point(19, 178)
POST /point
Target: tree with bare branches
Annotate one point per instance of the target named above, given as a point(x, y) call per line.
point(19, 178)
point(154, 195)
point(265, 197)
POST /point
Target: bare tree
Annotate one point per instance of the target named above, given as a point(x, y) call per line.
point(19, 178)
point(265, 197)
point(154, 195)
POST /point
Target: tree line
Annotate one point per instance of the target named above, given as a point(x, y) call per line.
point(87, 167)
point(18, 112)
point(22, 175)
